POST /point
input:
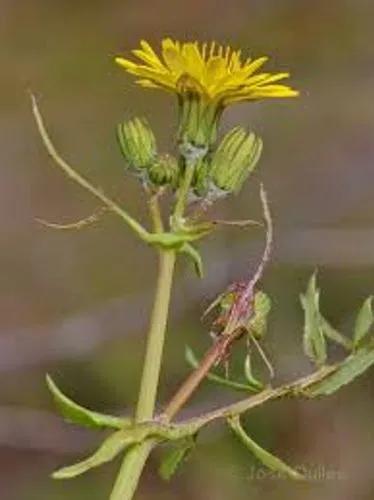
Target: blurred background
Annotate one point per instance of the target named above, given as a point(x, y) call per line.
point(75, 304)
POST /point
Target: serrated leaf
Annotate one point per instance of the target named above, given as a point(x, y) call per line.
point(265, 457)
point(334, 335)
point(76, 414)
point(175, 458)
point(239, 386)
point(364, 321)
point(314, 341)
point(110, 448)
point(353, 366)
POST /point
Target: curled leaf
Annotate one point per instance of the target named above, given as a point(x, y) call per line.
point(76, 414)
point(265, 457)
point(252, 380)
point(191, 252)
point(110, 448)
point(79, 224)
point(80, 179)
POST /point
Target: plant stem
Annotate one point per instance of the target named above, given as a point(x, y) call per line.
point(156, 336)
point(192, 382)
point(130, 472)
point(135, 459)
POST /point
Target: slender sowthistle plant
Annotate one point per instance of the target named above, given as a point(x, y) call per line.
point(206, 79)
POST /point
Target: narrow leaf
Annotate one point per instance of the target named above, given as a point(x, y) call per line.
point(212, 377)
point(76, 414)
point(334, 335)
point(252, 380)
point(175, 458)
point(364, 321)
point(268, 459)
point(352, 367)
point(110, 448)
point(80, 179)
point(191, 252)
point(313, 340)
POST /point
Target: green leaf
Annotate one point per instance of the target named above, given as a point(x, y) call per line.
point(212, 377)
point(191, 252)
point(175, 458)
point(265, 457)
point(313, 340)
point(76, 414)
point(257, 323)
point(353, 366)
point(333, 334)
point(364, 321)
point(110, 448)
point(252, 380)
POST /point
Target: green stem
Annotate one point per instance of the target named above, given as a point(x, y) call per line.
point(183, 191)
point(130, 472)
point(156, 336)
point(135, 459)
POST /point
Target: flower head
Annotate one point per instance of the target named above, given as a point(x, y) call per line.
point(206, 78)
point(214, 72)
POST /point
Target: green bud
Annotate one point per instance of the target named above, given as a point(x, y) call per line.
point(164, 171)
point(137, 143)
point(198, 123)
point(233, 161)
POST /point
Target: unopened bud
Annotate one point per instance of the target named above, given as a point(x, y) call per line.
point(137, 143)
point(164, 171)
point(198, 119)
point(233, 161)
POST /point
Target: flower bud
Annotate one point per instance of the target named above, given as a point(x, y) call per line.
point(198, 119)
point(164, 171)
point(137, 143)
point(233, 161)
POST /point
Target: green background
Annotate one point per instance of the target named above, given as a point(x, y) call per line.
point(75, 303)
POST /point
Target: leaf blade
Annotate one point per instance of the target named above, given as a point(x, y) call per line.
point(353, 366)
point(364, 321)
point(313, 339)
point(175, 458)
point(109, 449)
point(74, 413)
point(265, 457)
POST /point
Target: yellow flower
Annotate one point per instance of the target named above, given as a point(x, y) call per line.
point(213, 71)
point(206, 79)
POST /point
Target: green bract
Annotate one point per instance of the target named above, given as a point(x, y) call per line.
point(137, 143)
point(233, 161)
point(164, 171)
